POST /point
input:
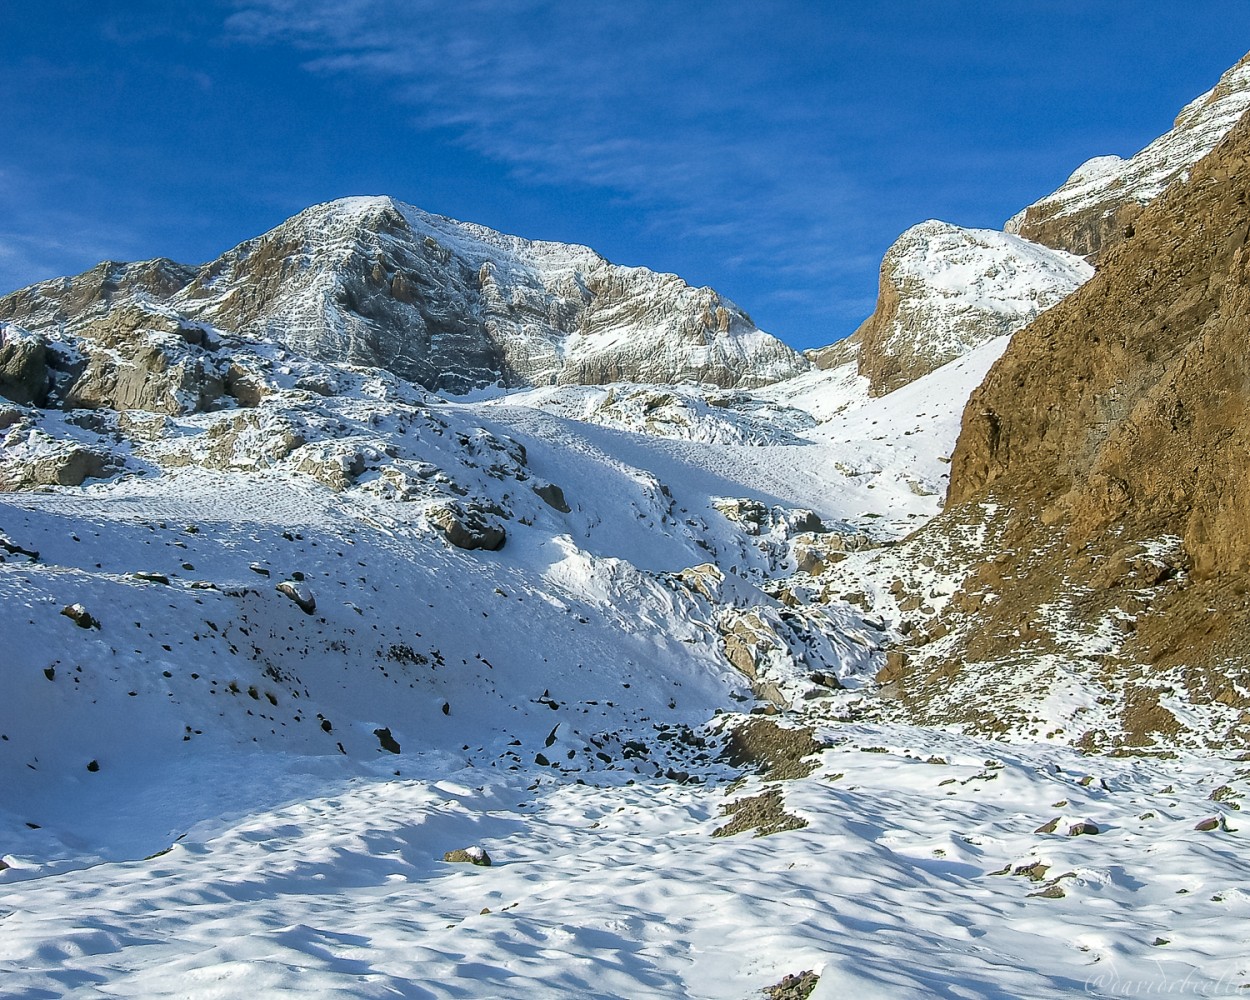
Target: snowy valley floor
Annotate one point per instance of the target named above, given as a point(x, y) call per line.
point(919, 873)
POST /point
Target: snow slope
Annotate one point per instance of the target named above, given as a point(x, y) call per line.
point(919, 873)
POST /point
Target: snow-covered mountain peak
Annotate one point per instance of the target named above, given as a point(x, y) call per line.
point(451, 305)
point(946, 290)
point(1099, 202)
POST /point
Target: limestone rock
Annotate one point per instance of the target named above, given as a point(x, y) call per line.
point(300, 593)
point(467, 525)
point(450, 305)
point(1119, 417)
point(23, 365)
point(1099, 204)
point(553, 497)
point(946, 290)
point(794, 987)
point(469, 856)
point(80, 616)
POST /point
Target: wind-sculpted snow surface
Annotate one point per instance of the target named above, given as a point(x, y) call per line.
point(923, 868)
point(288, 635)
point(450, 305)
point(263, 673)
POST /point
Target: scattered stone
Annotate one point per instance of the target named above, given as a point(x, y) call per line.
point(1036, 872)
point(1212, 823)
point(80, 616)
point(826, 679)
point(93, 766)
point(1050, 827)
point(469, 856)
point(387, 741)
point(258, 568)
point(467, 526)
point(765, 814)
point(16, 550)
point(553, 497)
point(1054, 891)
point(798, 987)
point(778, 753)
point(300, 593)
point(151, 577)
point(1083, 828)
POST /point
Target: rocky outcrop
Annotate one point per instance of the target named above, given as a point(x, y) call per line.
point(449, 305)
point(30, 458)
point(1104, 461)
point(468, 525)
point(834, 355)
point(946, 290)
point(1099, 204)
point(23, 365)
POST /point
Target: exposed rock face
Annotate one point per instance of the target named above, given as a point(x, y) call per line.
point(450, 305)
point(947, 290)
point(30, 458)
point(838, 353)
point(1126, 403)
point(23, 365)
point(467, 525)
point(1105, 460)
point(1100, 202)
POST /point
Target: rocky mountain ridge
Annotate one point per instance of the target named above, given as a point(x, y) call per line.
point(947, 290)
point(451, 306)
point(1098, 204)
point(944, 289)
point(1096, 509)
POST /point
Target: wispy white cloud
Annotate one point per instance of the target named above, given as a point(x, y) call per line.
point(672, 108)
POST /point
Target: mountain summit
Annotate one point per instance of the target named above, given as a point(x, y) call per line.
point(1098, 204)
point(451, 305)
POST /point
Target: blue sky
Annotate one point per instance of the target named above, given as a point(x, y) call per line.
point(773, 150)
